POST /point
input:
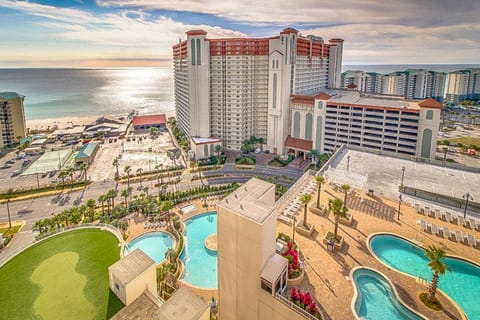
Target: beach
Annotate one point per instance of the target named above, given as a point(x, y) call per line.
point(61, 123)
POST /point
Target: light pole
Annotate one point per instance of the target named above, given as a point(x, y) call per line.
point(399, 205)
point(8, 213)
point(348, 163)
point(293, 229)
point(403, 174)
point(467, 197)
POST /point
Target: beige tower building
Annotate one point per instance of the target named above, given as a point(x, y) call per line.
point(251, 275)
point(233, 88)
point(12, 119)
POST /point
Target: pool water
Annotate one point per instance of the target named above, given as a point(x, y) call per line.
point(461, 283)
point(376, 298)
point(154, 244)
point(200, 263)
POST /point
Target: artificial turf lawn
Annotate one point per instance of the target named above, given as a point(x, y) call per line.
point(64, 277)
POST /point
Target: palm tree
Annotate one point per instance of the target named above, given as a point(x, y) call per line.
point(315, 155)
point(139, 174)
point(124, 193)
point(171, 255)
point(83, 167)
point(438, 267)
point(261, 141)
point(338, 209)
point(218, 150)
point(320, 180)
point(70, 172)
point(116, 163)
point(62, 174)
point(128, 170)
point(111, 194)
point(102, 199)
point(305, 198)
point(345, 189)
point(91, 209)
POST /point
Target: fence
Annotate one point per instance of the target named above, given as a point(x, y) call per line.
point(293, 189)
point(440, 198)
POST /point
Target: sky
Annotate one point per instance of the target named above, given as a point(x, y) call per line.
point(140, 33)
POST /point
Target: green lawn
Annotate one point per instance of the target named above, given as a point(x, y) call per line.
point(64, 277)
point(6, 231)
point(466, 140)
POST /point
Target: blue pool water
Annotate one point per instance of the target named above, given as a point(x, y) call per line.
point(461, 283)
point(200, 263)
point(154, 244)
point(376, 298)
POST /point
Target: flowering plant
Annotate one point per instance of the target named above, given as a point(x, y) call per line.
point(293, 264)
point(304, 301)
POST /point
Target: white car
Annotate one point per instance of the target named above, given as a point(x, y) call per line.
point(257, 150)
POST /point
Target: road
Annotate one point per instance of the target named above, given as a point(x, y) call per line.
point(34, 209)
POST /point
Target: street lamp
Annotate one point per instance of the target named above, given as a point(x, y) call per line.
point(348, 163)
point(467, 197)
point(8, 213)
point(293, 229)
point(399, 205)
point(403, 174)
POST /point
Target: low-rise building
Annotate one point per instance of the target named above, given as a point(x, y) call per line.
point(203, 147)
point(86, 153)
point(132, 275)
point(144, 123)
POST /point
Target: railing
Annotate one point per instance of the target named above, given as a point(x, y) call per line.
point(294, 307)
point(294, 188)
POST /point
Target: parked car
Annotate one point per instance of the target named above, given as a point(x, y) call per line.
point(15, 173)
point(5, 166)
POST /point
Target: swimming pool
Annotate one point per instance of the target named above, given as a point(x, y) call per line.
point(376, 298)
point(200, 263)
point(461, 283)
point(154, 244)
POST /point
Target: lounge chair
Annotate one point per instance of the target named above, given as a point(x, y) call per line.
point(472, 223)
point(461, 221)
point(443, 216)
point(285, 220)
point(423, 225)
point(426, 211)
point(435, 229)
point(417, 207)
point(449, 217)
point(446, 233)
point(471, 240)
point(459, 236)
point(437, 213)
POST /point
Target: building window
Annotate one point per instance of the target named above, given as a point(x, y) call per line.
point(426, 143)
point(318, 138)
point(192, 50)
point(296, 124)
point(117, 287)
point(274, 99)
point(429, 115)
point(308, 126)
point(205, 150)
point(199, 55)
point(320, 105)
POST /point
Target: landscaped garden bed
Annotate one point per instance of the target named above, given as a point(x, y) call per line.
point(338, 242)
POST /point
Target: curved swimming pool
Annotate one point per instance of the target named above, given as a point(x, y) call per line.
point(376, 298)
point(154, 244)
point(200, 263)
point(461, 283)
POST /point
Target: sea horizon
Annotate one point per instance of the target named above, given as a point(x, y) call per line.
point(63, 92)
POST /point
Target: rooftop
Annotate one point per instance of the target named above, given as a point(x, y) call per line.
point(274, 266)
point(143, 308)
point(87, 150)
point(355, 97)
point(255, 200)
point(130, 266)
point(205, 140)
point(149, 119)
point(183, 305)
point(10, 95)
point(297, 143)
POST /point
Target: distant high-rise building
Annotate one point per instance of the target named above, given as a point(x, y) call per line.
point(12, 119)
point(231, 89)
point(412, 83)
point(457, 89)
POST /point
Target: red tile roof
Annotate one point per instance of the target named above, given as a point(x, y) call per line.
point(309, 99)
point(150, 119)
point(296, 143)
point(430, 103)
point(196, 33)
point(322, 96)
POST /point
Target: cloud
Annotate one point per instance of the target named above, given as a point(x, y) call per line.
point(413, 12)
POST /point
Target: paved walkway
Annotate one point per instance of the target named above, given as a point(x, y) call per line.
point(327, 274)
point(21, 240)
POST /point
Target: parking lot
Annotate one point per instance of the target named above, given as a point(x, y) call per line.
point(136, 151)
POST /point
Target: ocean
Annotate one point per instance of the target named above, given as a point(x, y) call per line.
point(64, 93)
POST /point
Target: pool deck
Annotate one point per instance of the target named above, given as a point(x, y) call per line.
point(327, 273)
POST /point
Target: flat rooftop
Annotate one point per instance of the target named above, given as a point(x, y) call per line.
point(130, 266)
point(255, 200)
point(383, 175)
point(355, 97)
point(183, 305)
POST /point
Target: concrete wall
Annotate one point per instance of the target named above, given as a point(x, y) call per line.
point(131, 291)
